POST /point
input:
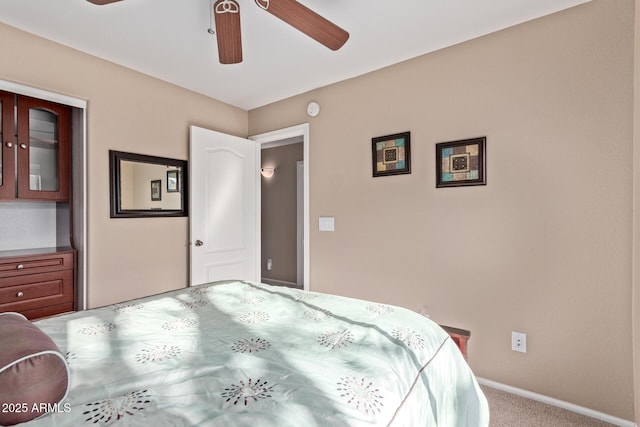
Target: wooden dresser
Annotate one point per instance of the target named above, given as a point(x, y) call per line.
point(38, 282)
point(460, 337)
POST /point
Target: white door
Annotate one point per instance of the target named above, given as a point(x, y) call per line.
point(224, 178)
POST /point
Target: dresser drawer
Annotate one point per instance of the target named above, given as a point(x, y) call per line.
point(40, 291)
point(14, 266)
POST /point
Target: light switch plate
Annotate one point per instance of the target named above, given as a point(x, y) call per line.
point(326, 223)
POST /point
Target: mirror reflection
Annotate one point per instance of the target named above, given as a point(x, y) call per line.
point(143, 186)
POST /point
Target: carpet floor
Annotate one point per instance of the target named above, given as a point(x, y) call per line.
point(510, 410)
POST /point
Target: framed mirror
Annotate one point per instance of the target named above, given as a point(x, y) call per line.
point(147, 186)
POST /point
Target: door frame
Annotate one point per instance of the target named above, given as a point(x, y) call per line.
point(301, 130)
point(300, 221)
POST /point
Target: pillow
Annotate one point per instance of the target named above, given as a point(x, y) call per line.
point(34, 376)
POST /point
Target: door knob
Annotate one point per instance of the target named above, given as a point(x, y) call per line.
point(199, 243)
point(9, 144)
point(23, 146)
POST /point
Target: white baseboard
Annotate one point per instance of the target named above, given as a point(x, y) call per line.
point(278, 282)
point(559, 403)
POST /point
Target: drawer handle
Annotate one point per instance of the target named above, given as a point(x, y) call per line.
point(20, 294)
point(20, 267)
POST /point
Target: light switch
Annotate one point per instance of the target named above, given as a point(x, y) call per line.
point(327, 223)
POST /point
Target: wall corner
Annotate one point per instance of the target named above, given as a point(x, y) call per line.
point(636, 215)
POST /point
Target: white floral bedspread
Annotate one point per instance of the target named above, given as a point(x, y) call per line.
point(249, 354)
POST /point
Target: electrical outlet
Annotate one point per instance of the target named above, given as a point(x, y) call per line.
point(519, 342)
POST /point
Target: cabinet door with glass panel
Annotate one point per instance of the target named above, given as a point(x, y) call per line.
point(42, 151)
point(44, 135)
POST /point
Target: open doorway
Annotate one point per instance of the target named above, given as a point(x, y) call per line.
point(297, 276)
point(282, 198)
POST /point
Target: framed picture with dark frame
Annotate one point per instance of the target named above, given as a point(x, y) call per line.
point(173, 183)
point(391, 154)
point(156, 190)
point(461, 163)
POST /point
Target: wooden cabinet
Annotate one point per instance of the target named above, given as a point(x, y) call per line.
point(35, 165)
point(7, 150)
point(38, 282)
point(35, 160)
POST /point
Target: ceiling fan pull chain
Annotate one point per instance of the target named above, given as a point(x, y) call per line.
point(264, 4)
point(227, 6)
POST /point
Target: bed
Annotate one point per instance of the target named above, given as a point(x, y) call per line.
point(250, 354)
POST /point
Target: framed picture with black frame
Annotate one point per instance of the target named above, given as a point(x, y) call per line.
point(461, 163)
point(173, 181)
point(391, 154)
point(156, 190)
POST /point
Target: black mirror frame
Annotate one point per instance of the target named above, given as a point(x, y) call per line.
point(115, 190)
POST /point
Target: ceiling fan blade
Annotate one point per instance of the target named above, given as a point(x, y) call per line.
point(227, 19)
point(102, 2)
point(307, 21)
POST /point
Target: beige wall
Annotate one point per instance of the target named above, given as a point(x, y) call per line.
point(127, 111)
point(636, 214)
point(544, 248)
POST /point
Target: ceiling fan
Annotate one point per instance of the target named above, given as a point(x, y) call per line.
point(227, 19)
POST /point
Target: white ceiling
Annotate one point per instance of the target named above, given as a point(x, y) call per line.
point(168, 39)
